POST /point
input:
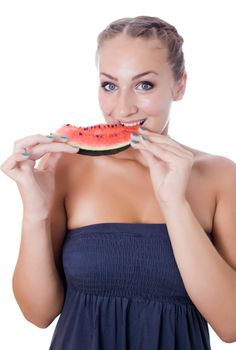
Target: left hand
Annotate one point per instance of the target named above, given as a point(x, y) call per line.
point(169, 163)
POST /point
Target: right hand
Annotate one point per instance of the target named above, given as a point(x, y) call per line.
point(36, 186)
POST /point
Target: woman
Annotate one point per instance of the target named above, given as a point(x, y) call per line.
point(135, 250)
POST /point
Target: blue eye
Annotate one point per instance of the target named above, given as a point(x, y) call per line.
point(103, 85)
point(145, 84)
point(109, 87)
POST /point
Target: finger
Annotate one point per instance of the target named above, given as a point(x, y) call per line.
point(13, 160)
point(40, 150)
point(165, 141)
point(149, 156)
point(52, 161)
point(36, 153)
point(160, 138)
point(159, 151)
point(24, 144)
point(178, 151)
point(13, 166)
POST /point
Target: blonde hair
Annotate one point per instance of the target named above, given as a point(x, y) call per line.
point(149, 27)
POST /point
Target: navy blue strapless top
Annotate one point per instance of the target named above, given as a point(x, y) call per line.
point(125, 292)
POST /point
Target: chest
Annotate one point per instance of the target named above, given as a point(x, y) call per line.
point(105, 190)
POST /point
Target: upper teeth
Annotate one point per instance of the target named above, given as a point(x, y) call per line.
point(132, 124)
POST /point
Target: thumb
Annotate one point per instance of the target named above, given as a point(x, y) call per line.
point(52, 161)
point(149, 157)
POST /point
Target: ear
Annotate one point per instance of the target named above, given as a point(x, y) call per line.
point(179, 89)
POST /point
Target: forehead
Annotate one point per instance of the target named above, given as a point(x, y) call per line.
point(125, 50)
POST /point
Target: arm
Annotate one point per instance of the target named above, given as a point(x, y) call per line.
point(209, 272)
point(37, 281)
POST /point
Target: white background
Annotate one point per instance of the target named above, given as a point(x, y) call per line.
point(48, 78)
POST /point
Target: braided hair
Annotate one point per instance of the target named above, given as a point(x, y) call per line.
point(149, 27)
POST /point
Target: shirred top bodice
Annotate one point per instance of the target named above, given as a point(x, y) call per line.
point(125, 292)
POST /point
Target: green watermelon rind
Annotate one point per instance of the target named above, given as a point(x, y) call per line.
point(102, 152)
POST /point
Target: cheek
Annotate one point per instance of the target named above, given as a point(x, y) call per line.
point(155, 103)
point(151, 104)
point(105, 103)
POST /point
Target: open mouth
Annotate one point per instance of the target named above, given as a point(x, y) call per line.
point(139, 122)
point(143, 122)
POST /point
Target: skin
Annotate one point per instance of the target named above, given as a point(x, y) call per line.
point(149, 96)
point(191, 191)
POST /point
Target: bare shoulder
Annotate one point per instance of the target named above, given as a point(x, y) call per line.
point(221, 178)
point(220, 168)
point(221, 165)
point(223, 173)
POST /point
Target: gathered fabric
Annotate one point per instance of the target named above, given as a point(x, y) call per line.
point(124, 291)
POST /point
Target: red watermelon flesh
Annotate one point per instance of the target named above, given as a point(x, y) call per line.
point(100, 139)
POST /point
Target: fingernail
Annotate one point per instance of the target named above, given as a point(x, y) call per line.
point(134, 141)
point(63, 137)
point(134, 134)
point(144, 138)
point(50, 136)
point(25, 154)
point(142, 128)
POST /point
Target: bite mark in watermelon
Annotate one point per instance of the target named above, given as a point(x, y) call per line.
point(100, 139)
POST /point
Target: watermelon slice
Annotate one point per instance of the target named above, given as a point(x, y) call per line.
point(100, 139)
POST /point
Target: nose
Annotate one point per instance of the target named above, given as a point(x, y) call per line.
point(125, 105)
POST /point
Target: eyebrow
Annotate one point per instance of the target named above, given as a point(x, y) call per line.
point(135, 77)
